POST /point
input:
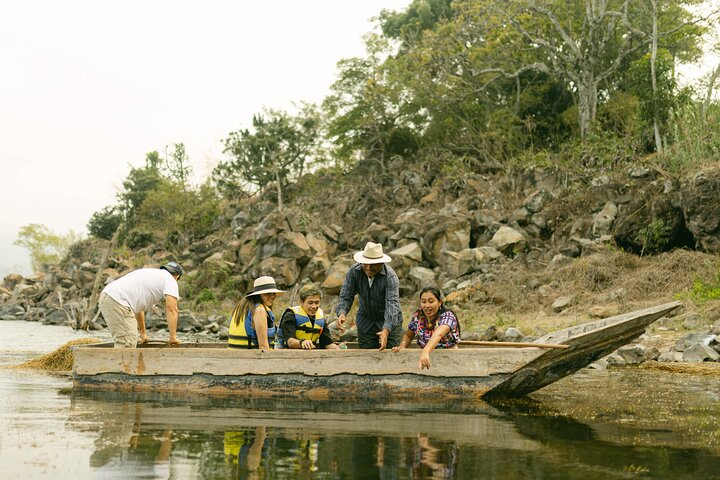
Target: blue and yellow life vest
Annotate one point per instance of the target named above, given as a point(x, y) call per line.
point(304, 328)
point(243, 335)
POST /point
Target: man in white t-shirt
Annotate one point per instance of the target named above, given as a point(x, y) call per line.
point(123, 303)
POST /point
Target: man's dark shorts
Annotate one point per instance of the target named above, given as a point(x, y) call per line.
point(372, 341)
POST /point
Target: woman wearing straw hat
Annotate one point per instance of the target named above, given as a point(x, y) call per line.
point(252, 324)
point(379, 317)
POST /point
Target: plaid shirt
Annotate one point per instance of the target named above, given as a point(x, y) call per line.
point(378, 305)
point(424, 330)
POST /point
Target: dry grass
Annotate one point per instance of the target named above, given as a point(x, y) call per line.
point(59, 360)
point(707, 369)
point(613, 281)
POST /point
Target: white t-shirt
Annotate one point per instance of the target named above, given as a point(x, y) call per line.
point(143, 288)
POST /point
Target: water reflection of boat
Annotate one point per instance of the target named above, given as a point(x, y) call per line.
point(287, 438)
point(204, 437)
point(465, 372)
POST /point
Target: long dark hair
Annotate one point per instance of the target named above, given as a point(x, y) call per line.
point(244, 306)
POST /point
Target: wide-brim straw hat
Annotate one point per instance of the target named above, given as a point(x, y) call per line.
point(373, 253)
point(264, 285)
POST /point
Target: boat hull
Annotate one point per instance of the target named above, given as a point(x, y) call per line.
point(313, 374)
point(353, 373)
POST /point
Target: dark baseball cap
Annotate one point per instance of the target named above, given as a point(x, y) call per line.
point(174, 268)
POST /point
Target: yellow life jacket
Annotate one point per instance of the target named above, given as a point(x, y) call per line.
point(243, 335)
point(304, 328)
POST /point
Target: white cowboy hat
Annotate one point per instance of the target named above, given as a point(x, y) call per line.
point(373, 253)
point(264, 285)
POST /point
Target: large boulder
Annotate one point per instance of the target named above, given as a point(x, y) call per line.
point(316, 268)
point(270, 227)
point(285, 271)
point(469, 260)
point(702, 210)
point(508, 240)
point(335, 276)
point(700, 353)
point(317, 242)
point(449, 233)
point(537, 200)
point(83, 278)
point(602, 224)
point(405, 258)
point(422, 277)
point(293, 245)
point(652, 222)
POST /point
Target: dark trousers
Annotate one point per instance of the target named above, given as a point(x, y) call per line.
point(371, 340)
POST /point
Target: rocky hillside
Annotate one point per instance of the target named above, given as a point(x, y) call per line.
point(533, 248)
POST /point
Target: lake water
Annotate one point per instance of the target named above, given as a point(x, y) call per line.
point(629, 423)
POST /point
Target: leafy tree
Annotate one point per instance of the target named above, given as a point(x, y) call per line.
point(420, 15)
point(45, 247)
point(138, 185)
point(178, 216)
point(276, 149)
point(178, 165)
point(656, 93)
point(368, 114)
point(104, 223)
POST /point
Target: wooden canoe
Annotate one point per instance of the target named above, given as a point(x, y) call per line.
point(472, 371)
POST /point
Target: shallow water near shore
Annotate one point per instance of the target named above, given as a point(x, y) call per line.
point(625, 423)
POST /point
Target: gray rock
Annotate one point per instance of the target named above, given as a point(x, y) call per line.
point(700, 353)
point(187, 322)
point(632, 354)
point(508, 240)
point(600, 181)
point(652, 353)
point(691, 339)
point(639, 172)
point(604, 219)
point(615, 360)
point(512, 334)
point(212, 327)
point(692, 321)
point(223, 333)
point(537, 201)
point(601, 364)
point(669, 357)
point(56, 317)
point(492, 333)
point(422, 276)
point(12, 310)
point(562, 303)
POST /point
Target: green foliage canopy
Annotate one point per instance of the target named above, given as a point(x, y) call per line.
point(45, 246)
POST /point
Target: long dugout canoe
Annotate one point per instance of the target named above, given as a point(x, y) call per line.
point(465, 372)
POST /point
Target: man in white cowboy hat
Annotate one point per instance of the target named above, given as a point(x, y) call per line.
point(379, 317)
point(123, 303)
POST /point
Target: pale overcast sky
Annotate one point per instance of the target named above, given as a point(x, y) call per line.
point(88, 87)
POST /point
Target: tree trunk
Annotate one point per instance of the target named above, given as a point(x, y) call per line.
point(587, 104)
point(87, 314)
point(279, 191)
point(653, 77)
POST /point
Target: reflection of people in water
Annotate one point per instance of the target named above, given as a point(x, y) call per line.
point(375, 457)
point(247, 449)
point(440, 461)
point(124, 446)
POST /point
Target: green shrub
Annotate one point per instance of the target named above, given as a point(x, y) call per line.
point(206, 295)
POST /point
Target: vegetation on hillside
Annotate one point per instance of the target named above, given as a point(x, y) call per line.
point(453, 88)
